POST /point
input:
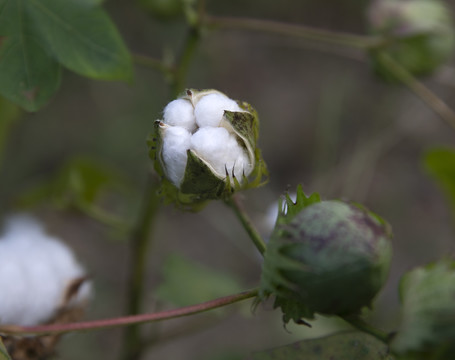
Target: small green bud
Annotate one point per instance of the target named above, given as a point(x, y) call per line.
point(205, 148)
point(418, 34)
point(427, 329)
point(324, 257)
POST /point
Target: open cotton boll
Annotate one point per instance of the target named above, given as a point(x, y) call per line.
point(209, 109)
point(223, 156)
point(220, 149)
point(35, 272)
point(180, 112)
point(176, 142)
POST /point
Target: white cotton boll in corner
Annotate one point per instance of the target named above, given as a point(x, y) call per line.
point(180, 112)
point(176, 142)
point(34, 273)
point(210, 109)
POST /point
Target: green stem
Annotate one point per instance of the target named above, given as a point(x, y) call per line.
point(234, 203)
point(153, 63)
point(425, 94)
point(301, 31)
point(140, 239)
point(178, 83)
point(139, 245)
point(127, 320)
point(361, 325)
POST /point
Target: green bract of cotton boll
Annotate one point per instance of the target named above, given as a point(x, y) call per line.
point(427, 329)
point(418, 34)
point(324, 257)
point(205, 148)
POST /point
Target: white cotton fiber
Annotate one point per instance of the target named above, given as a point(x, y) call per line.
point(180, 112)
point(197, 124)
point(35, 271)
point(221, 150)
point(176, 142)
point(210, 109)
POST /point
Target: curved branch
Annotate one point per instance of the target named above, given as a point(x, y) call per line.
point(127, 320)
point(305, 32)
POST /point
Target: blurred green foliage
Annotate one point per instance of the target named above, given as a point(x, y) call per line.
point(40, 36)
point(3, 353)
point(187, 282)
point(440, 164)
point(342, 346)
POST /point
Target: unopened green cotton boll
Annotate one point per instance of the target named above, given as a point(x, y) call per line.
point(418, 34)
point(205, 147)
point(325, 257)
point(427, 329)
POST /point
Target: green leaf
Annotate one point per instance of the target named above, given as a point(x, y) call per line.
point(29, 76)
point(3, 353)
point(341, 346)
point(427, 326)
point(37, 36)
point(82, 38)
point(187, 282)
point(79, 183)
point(8, 114)
point(440, 164)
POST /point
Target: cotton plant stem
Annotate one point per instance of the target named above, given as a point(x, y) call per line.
point(419, 89)
point(139, 244)
point(152, 63)
point(178, 83)
point(140, 240)
point(234, 203)
point(127, 320)
point(294, 30)
point(361, 325)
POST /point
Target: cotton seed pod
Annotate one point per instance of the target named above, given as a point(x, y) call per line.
point(427, 329)
point(324, 257)
point(205, 148)
point(418, 34)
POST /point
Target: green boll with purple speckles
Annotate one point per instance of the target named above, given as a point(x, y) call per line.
point(330, 258)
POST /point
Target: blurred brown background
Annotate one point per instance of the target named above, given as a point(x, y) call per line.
point(326, 122)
